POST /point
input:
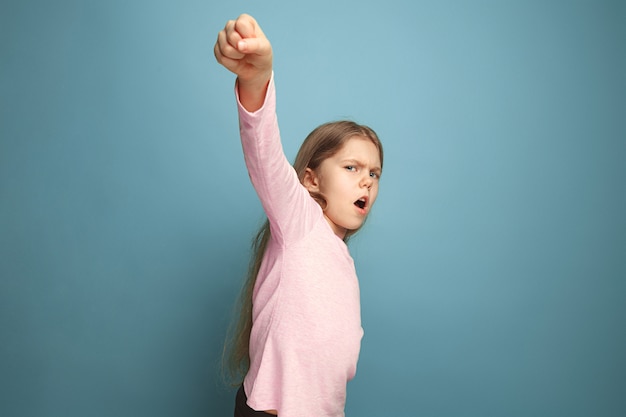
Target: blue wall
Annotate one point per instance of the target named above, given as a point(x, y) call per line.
point(493, 268)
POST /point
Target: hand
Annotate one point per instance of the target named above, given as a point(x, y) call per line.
point(243, 49)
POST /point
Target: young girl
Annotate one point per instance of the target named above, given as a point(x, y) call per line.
point(300, 331)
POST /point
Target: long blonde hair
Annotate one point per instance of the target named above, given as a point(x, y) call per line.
point(322, 143)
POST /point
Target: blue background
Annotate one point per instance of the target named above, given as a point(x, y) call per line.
point(492, 269)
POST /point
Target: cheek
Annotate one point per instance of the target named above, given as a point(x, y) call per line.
point(374, 195)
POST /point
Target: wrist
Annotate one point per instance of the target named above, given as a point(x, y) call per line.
point(252, 91)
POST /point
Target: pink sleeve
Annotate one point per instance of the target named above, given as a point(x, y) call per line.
point(287, 204)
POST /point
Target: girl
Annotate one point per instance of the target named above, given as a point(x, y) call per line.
point(300, 331)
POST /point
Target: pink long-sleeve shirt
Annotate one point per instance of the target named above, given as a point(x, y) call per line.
point(306, 331)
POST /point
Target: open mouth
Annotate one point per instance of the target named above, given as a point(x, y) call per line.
point(361, 203)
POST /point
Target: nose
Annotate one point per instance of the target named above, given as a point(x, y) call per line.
point(367, 181)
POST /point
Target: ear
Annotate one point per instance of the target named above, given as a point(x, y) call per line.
point(311, 181)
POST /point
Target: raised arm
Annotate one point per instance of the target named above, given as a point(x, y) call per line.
point(243, 49)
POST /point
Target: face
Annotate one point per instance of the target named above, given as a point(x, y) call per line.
point(348, 181)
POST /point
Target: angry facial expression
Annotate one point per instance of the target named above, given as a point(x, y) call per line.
point(348, 181)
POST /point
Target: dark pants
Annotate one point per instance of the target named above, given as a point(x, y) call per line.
point(242, 409)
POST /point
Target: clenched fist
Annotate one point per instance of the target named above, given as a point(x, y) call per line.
point(243, 49)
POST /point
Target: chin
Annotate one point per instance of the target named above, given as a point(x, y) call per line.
point(355, 227)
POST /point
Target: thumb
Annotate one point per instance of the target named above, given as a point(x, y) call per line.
point(258, 46)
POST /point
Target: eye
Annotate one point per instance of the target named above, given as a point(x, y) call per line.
point(374, 175)
point(351, 168)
